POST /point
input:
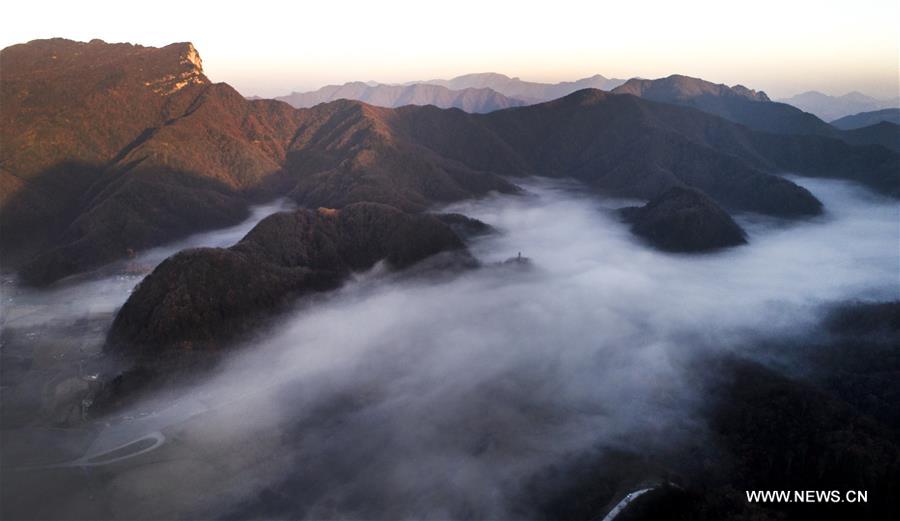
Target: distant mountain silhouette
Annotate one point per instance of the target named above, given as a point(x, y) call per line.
point(114, 148)
point(738, 104)
point(748, 107)
point(528, 91)
point(467, 99)
point(865, 119)
point(830, 108)
point(686, 89)
point(477, 93)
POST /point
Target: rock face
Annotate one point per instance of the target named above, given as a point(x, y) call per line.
point(684, 220)
point(199, 299)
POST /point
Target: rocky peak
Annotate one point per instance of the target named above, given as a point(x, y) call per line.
point(192, 57)
point(188, 70)
point(750, 93)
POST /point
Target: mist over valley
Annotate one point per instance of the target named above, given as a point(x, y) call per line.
point(470, 298)
point(452, 394)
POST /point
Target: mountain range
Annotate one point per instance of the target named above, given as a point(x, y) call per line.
point(754, 109)
point(468, 99)
point(482, 92)
point(527, 91)
point(112, 148)
point(830, 108)
point(486, 92)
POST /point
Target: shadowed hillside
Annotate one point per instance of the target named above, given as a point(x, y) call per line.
point(866, 119)
point(685, 220)
point(156, 151)
point(189, 309)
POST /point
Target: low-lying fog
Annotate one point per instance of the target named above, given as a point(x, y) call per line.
point(410, 396)
point(108, 288)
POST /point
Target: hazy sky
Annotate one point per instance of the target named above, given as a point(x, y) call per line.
point(269, 48)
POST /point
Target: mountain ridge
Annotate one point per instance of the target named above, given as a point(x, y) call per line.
point(751, 108)
point(476, 92)
point(685, 87)
point(738, 104)
point(194, 158)
point(529, 92)
point(382, 95)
